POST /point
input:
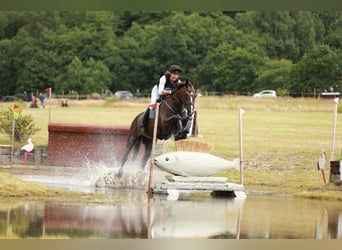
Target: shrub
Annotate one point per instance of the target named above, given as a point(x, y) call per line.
point(24, 126)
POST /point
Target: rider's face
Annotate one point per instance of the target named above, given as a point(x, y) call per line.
point(174, 76)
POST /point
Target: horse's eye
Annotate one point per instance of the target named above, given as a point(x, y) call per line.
point(167, 159)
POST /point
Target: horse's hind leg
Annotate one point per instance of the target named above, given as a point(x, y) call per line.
point(136, 148)
point(128, 149)
point(130, 143)
point(148, 150)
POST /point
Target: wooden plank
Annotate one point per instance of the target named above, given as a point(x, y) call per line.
point(195, 184)
point(173, 178)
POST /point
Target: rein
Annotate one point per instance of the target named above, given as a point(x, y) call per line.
point(176, 115)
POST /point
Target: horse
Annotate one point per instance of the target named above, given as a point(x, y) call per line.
point(175, 118)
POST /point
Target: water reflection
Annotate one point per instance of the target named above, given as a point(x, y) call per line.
point(94, 221)
point(276, 217)
point(21, 221)
point(256, 217)
point(215, 218)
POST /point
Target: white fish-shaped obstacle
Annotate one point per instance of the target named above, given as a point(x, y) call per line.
point(186, 163)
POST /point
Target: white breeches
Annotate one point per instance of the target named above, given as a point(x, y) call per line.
point(154, 95)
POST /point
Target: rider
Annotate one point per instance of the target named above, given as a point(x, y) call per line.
point(166, 86)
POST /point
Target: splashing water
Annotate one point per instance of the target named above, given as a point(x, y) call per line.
point(133, 177)
point(93, 175)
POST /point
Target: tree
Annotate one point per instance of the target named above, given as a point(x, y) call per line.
point(183, 39)
point(304, 33)
point(136, 64)
point(333, 36)
point(24, 128)
point(128, 18)
point(274, 75)
point(223, 50)
point(277, 29)
point(3, 25)
point(8, 77)
point(39, 72)
point(320, 68)
point(92, 76)
point(234, 69)
point(23, 48)
point(96, 77)
point(72, 79)
point(89, 35)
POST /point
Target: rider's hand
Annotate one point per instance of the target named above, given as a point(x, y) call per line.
point(169, 91)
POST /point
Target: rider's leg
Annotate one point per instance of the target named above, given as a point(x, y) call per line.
point(145, 120)
point(154, 97)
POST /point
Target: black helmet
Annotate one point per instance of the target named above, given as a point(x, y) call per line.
point(175, 68)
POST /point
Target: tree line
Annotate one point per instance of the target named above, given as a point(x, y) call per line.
point(94, 51)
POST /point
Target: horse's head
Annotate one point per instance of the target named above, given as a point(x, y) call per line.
point(186, 95)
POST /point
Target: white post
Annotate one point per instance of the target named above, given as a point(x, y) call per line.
point(334, 129)
point(149, 191)
point(241, 111)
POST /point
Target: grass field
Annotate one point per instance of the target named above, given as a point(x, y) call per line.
point(282, 138)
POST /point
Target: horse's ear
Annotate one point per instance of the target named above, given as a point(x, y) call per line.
point(195, 84)
point(184, 83)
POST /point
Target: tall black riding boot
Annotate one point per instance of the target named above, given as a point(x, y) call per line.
point(145, 120)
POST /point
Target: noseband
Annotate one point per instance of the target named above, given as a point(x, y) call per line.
point(189, 102)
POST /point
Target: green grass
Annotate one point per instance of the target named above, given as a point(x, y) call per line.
point(14, 190)
point(282, 138)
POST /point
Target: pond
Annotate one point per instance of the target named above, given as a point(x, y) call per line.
point(259, 216)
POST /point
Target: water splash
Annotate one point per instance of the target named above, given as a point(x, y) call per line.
point(92, 176)
point(133, 177)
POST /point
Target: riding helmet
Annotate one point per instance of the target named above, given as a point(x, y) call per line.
point(175, 69)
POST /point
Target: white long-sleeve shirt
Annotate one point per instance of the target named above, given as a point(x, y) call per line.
point(157, 91)
point(161, 86)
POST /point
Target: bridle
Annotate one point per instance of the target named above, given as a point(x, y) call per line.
point(189, 102)
point(185, 101)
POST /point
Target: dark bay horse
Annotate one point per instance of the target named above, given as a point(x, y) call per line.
point(175, 118)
